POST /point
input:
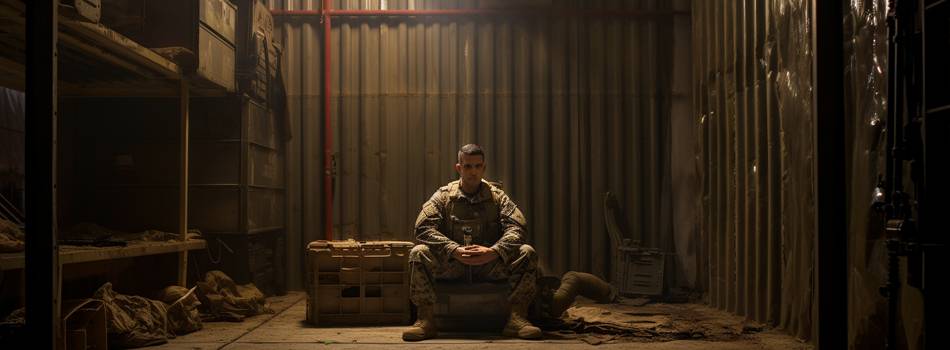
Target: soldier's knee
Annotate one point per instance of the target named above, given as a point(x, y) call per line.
point(528, 252)
point(417, 252)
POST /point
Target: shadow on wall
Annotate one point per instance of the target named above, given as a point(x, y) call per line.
point(12, 147)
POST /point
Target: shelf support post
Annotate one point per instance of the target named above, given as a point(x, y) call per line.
point(183, 183)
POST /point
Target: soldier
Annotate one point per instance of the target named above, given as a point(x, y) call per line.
point(470, 225)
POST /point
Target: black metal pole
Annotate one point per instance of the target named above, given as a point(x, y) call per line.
point(42, 265)
point(892, 101)
point(828, 94)
point(903, 79)
point(892, 288)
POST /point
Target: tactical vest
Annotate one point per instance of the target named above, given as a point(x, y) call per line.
point(473, 223)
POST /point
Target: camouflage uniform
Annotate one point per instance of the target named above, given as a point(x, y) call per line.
point(489, 218)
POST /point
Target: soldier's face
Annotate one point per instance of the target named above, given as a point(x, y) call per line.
point(471, 169)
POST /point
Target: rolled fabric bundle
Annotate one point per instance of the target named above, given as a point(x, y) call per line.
point(575, 283)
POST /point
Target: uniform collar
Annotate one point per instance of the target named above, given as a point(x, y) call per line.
point(484, 192)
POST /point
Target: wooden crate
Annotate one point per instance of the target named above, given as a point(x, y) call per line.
point(205, 28)
point(257, 49)
point(641, 271)
point(358, 283)
point(237, 167)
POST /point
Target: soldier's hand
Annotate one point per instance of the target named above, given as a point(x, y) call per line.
point(475, 255)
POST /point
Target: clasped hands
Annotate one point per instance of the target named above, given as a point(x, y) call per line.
point(474, 255)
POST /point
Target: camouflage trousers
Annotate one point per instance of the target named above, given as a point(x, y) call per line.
point(425, 267)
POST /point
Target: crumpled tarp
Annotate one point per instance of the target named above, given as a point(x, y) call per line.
point(133, 321)
point(11, 237)
point(601, 323)
point(224, 300)
point(617, 320)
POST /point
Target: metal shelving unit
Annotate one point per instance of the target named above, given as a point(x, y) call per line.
point(238, 189)
point(86, 60)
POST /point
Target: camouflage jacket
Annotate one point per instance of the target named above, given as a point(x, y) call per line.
point(488, 218)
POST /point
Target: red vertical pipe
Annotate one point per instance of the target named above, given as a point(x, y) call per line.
point(327, 132)
point(485, 12)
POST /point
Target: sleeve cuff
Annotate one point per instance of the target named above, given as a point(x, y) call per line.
point(450, 248)
point(501, 253)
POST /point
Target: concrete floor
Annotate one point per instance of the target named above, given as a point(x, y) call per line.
point(286, 329)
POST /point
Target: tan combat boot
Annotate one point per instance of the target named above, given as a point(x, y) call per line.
point(424, 328)
point(519, 326)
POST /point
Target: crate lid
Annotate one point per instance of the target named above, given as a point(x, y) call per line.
point(393, 244)
point(323, 244)
point(350, 243)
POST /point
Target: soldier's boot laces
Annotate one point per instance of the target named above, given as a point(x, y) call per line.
point(519, 326)
point(424, 328)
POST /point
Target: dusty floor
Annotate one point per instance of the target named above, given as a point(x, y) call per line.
point(660, 326)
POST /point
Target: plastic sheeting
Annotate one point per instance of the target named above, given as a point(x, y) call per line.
point(866, 111)
point(865, 108)
point(566, 109)
point(757, 159)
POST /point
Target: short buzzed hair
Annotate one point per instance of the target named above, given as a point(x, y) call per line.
point(470, 150)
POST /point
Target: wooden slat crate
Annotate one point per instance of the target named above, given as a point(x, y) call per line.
point(358, 283)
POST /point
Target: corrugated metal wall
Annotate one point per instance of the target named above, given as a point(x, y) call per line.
point(566, 109)
point(753, 67)
point(757, 158)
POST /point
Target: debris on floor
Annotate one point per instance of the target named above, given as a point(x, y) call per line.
point(135, 321)
point(638, 321)
point(287, 330)
point(224, 300)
